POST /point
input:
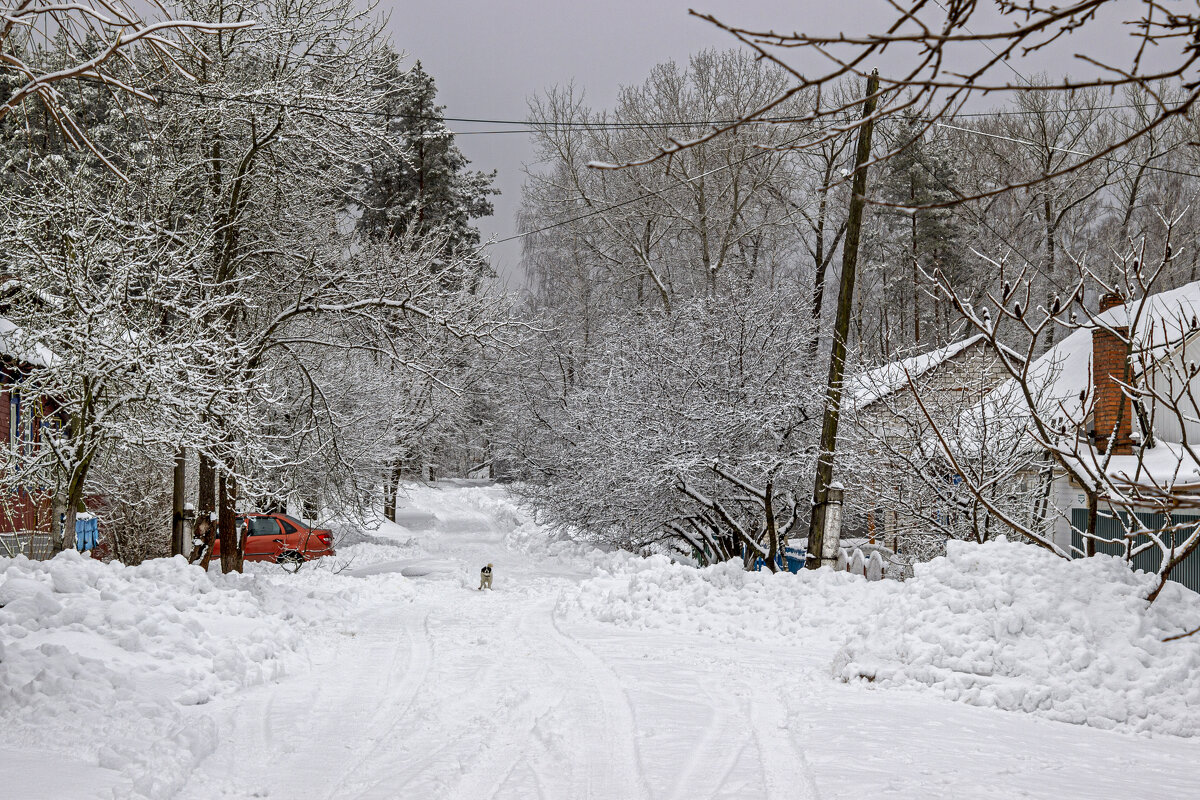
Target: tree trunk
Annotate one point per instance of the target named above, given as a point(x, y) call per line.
point(391, 490)
point(837, 361)
point(178, 479)
point(233, 546)
point(1093, 518)
point(74, 501)
point(818, 289)
point(1051, 269)
point(916, 271)
point(58, 516)
point(206, 502)
point(772, 526)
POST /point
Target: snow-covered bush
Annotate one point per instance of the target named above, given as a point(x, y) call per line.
point(690, 432)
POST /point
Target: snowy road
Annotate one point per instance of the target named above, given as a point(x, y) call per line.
point(436, 690)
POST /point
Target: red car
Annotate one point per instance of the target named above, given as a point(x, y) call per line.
point(280, 538)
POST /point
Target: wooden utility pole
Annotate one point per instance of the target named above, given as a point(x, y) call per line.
point(841, 329)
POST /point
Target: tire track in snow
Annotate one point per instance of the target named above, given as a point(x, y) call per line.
point(387, 716)
point(509, 745)
point(715, 755)
point(615, 735)
point(476, 730)
point(784, 771)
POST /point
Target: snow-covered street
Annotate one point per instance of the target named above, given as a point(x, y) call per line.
point(419, 685)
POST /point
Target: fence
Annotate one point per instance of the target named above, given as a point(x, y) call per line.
point(1111, 531)
point(32, 545)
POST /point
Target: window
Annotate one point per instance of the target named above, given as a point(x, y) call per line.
point(263, 526)
point(288, 528)
point(292, 520)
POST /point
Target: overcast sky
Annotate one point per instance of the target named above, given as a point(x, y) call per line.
point(488, 56)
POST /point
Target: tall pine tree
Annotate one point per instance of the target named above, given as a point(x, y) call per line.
point(915, 239)
point(429, 188)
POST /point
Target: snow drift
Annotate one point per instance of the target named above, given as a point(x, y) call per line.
point(108, 662)
point(724, 601)
point(1012, 626)
point(1004, 625)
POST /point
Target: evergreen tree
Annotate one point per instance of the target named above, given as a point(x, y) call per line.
point(914, 239)
point(428, 188)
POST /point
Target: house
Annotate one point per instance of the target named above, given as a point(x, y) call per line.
point(889, 424)
point(965, 370)
point(1134, 448)
point(25, 513)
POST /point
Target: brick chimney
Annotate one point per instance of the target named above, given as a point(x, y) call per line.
point(1109, 363)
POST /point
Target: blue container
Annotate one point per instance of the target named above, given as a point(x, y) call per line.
point(87, 533)
point(790, 560)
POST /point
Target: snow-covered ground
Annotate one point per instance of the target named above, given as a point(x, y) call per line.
point(588, 675)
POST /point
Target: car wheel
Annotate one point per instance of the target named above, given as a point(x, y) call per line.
point(290, 558)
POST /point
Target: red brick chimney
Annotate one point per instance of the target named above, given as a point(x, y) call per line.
point(1109, 364)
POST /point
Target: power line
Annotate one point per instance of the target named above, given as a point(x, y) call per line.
point(533, 126)
point(652, 193)
point(1080, 153)
point(526, 128)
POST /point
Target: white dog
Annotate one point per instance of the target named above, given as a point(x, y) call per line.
point(485, 578)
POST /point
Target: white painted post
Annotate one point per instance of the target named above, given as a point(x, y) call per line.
point(831, 541)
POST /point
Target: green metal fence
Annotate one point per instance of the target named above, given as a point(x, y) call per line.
point(1110, 528)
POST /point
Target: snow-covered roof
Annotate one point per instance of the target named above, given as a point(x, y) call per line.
point(878, 383)
point(1061, 383)
point(1058, 377)
point(15, 345)
point(1166, 465)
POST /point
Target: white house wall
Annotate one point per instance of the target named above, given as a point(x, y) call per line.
point(1164, 380)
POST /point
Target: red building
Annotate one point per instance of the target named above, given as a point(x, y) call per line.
point(26, 510)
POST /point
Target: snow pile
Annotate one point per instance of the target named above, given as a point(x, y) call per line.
point(1012, 626)
point(722, 601)
point(108, 662)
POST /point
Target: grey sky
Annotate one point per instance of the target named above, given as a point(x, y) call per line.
point(488, 56)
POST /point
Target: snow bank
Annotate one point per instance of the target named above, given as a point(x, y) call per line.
point(110, 663)
point(724, 601)
point(1004, 625)
point(1012, 626)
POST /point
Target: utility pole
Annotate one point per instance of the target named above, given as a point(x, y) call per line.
point(841, 330)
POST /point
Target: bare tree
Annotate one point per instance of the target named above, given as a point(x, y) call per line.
point(719, 217)
point(914, 498)
point(961, 48)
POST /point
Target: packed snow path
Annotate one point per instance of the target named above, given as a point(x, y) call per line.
point(442, 691)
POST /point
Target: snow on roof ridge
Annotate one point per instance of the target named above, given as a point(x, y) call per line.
point(878, 383)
